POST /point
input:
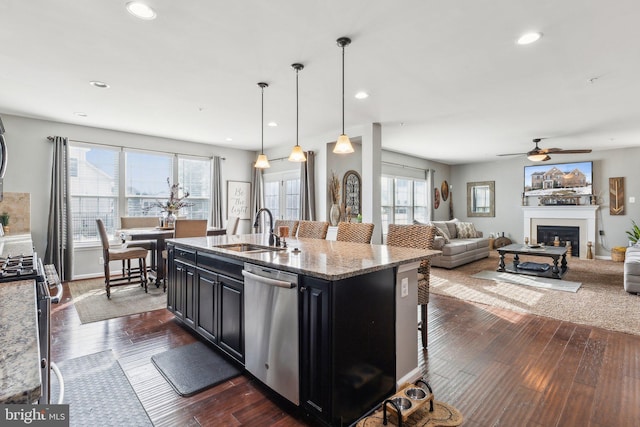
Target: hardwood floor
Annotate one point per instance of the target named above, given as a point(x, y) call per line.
point(499, 368)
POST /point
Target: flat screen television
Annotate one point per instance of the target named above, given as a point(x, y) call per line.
point(548, 179)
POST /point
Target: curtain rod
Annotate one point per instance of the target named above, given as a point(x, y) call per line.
point(50, 138)
point(405, 166)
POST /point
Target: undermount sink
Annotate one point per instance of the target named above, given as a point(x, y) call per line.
point(248, 248)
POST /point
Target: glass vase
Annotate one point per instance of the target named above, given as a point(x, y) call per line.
point(170, 220)
point(334, 214)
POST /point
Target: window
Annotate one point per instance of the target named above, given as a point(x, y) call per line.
point(282, 194)
point(146, 181)
point(403, 201)
point(94, 190)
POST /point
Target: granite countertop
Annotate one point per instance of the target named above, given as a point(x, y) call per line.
point(19, 353)
point(325, 259)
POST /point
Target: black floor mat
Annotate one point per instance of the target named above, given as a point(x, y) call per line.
point(193, 368)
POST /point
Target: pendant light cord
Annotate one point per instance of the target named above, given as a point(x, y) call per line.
point(262, 123)
point(343, 89)
point(297, 108)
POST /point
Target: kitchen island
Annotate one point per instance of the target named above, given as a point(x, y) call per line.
point(355, 304)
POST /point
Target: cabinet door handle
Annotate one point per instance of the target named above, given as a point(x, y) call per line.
point(302, 288)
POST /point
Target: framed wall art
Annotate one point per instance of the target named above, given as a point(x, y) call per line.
point(616, 196)
point(351, 192)
point(239, 199)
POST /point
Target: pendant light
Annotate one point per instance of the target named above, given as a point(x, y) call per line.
point(262, 162)
point(297, 155)
point(343, 145)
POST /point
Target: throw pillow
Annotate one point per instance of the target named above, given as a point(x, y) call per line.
point(439, 242)
point(466, 230)
point(453, 230)
point(442, 226)
point(442, 234)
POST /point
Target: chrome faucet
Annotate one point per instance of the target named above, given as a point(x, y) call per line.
point(274, 240)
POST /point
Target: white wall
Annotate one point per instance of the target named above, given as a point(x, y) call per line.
point(509, 183)
point(29, 168)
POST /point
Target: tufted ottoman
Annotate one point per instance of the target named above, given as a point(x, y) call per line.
point(632, 269)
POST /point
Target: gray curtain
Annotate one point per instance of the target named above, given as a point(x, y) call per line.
point(216, 193)
point(60, 231)
point(257, 196)
point(308, 188)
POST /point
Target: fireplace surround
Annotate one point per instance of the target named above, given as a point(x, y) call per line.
point(582, 216)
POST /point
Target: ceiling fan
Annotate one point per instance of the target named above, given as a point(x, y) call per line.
point(542, 154)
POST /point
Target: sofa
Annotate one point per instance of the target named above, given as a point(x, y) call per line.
point(459, 242)
point(632, 269)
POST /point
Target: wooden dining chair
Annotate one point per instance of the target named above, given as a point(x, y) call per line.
point(190, 228)
point(293, 226)
point(313, 229)
point(355, 232)
point(126, 254)
point(128, 222)
point(420, 237)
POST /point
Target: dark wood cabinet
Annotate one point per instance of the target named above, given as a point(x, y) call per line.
point(205, 292)
point(231, 316)
point(347, 345)
point(315, 346)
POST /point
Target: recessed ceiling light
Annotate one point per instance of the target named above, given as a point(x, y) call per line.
point(97, 83)
point(529, 38)
point(229, 139)
point(80, 114)
point(141, 10)
point(362, 95)
point(272, 124)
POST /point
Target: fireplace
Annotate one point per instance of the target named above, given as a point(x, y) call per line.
point(581, 216)
point(547, 234)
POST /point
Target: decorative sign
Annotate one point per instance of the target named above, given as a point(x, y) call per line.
point(239, 199)
point(616, 196)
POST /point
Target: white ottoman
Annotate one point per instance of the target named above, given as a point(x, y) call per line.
point(632, 269)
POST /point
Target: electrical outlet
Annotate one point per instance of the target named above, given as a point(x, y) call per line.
point(100, 260)
point(601, 232)
point(404, 287)
point(632, 199)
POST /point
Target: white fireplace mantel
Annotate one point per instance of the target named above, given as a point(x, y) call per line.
point(583, 216)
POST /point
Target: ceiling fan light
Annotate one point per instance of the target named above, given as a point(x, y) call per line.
point(538, 157)
point(262, 162)
point(343, 145)
point(297, 155)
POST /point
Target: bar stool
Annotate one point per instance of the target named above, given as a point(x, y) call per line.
point(313, 229)
point(420, 237)
point(355, 232)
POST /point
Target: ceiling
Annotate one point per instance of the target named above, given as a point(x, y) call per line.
point(446, 79)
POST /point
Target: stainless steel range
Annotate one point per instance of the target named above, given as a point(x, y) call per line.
point(29, 267)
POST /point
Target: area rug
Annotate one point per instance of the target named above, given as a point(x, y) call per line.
point(98, 393)
point(443, 415)
point(91, 302)
point(193, 368)
point(601, 300)
point(525, 280)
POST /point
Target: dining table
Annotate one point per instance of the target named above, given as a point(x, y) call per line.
point(160, 235)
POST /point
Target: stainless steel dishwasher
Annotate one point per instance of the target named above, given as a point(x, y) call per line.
point(271, 328)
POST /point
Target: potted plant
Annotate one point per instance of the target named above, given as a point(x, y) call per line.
point(634, 233)
point(4, 219)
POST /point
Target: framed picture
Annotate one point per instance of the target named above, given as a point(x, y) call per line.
point(239, 199)
point(351, 193)
point(616, 196)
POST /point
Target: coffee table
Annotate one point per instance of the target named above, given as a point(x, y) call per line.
point(557, 253)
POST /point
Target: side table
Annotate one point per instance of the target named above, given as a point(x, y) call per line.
point(501, 241)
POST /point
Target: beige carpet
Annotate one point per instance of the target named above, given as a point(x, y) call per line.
point(92, 305)
point(601, 301)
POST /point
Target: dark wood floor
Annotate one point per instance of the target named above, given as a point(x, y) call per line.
point(499, 368)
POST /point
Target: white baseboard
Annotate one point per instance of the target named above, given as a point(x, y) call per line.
point(409, 378)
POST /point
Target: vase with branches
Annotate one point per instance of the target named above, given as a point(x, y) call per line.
point(334, 193)
point(173, 204)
